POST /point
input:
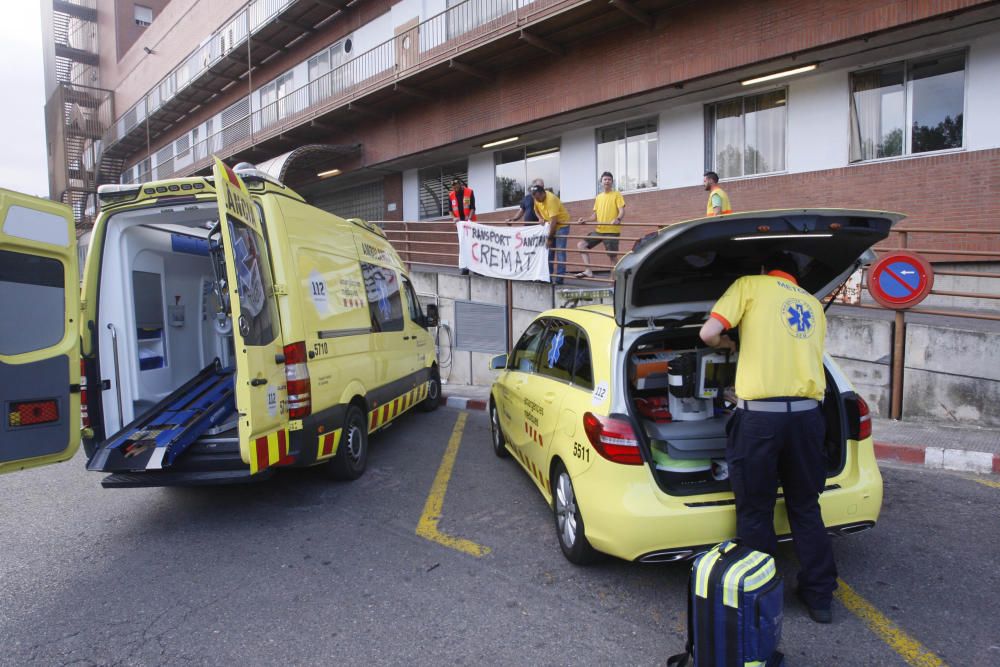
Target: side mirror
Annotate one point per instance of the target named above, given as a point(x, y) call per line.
point(499, 362)
point(431, 318)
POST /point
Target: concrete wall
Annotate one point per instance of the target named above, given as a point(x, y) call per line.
point(944, 377)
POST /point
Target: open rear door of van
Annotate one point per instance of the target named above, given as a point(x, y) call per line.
point(39, 333)
point(261, 394)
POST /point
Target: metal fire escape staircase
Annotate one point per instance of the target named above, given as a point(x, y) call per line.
point(79, 113)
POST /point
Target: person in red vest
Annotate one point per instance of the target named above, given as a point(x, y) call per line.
point(463, 205)
point(463, 201)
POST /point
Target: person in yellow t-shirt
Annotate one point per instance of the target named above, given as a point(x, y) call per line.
point(609, 209)
point(550, 209)
point(777, 431)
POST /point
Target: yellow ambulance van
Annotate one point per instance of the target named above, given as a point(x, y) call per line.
point(225, 329)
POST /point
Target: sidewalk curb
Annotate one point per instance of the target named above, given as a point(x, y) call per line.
point(937, 457)
point(932, 457)
point(463, 403)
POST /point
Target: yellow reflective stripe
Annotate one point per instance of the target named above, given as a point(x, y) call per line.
point(704, 569)
point(753, 663)
point(731, 582)
point(760, 577)
point(320, 454)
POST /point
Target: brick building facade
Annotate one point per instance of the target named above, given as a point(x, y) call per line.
point(898, 112)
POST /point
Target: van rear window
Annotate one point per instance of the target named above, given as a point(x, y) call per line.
point(33, 302)
point(258, 312)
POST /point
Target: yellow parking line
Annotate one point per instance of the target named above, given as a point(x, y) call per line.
point(428, 525)
point(986, 482)
point(912, 651)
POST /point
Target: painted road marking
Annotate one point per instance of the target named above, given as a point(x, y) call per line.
point(912, 651)
point(428, 525)
point(986, 482)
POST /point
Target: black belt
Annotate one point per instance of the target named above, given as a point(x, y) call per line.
point(797, 405)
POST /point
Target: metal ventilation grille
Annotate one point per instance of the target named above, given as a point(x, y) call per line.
point(480, 327)
point(365, 201)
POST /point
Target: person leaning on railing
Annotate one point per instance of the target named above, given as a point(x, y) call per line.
point(550, 210)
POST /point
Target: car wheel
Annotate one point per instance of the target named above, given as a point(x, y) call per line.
point(352, 454)
point(499, 442)
point(433, 400)
point(569, 522)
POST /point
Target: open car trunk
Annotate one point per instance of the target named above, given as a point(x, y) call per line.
point(168, 357)
point(680, 394)
point(679, 391)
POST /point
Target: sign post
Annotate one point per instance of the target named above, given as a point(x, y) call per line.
point(899, 280)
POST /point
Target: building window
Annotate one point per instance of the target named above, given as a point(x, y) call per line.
point(925, 97)
point(435, 182)
point(326, 76)
point(628, 151)
point(518, 167)
point(143, 15)
point(746, 135)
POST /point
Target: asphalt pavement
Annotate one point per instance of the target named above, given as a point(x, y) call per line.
point(382, 571)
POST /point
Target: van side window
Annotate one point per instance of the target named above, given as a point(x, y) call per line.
point(525, 355)
point(258, 311)
point(416, 313)
point(558, 352)
point(384, 302)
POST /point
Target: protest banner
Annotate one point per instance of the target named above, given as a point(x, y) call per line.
point(514, 253)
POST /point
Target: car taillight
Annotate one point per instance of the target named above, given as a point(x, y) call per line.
point(613, 439)
point(84, 411)
point(864, 420)
point(31, 413)
point(297, 381)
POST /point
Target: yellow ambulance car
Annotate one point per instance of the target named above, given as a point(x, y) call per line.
point(225, 329)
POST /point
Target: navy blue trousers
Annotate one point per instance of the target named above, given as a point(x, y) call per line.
point(763, 449)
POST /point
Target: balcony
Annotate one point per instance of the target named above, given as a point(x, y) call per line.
point(258, 32)
point(475, 38)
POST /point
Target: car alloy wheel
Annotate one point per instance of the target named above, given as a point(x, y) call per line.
point(499, 442)
point(569, 522)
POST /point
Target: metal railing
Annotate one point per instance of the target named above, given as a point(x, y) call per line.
point(234, 33)
point(434, 244)
point(433, 41)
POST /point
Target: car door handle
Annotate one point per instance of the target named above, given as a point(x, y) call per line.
point(256, 382)
point(549, 396)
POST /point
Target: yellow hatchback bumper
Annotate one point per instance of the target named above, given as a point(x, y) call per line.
point(626, 514)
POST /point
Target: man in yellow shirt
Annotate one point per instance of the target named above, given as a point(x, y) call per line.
point(718, 200)
point(777, 431)
point(609, 209)
point(550, 209)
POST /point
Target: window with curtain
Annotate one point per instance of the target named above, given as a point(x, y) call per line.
point(516, 168)
point(908, 107)
point(746, 135)
point(628, 151)
point(435, 182)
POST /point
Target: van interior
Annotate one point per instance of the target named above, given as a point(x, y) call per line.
point(159, 322)
point(681, 393)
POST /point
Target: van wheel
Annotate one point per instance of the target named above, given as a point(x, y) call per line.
point(499, 442)
point(569, 523)
point(352, 454)
point(433, 400)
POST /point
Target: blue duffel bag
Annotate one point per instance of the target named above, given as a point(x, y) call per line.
point(735, 602)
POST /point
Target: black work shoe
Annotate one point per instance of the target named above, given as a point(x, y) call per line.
point(816, 614)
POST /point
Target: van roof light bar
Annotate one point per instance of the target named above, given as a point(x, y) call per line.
point(572, 297)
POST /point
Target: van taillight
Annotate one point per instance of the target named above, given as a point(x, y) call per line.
point(32, 413)
point(864, 420)
point(613, 439)
point(84, 411)
point(297, 381)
